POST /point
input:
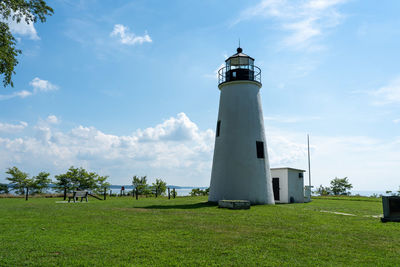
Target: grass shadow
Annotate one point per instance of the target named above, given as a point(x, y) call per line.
point(181, 206)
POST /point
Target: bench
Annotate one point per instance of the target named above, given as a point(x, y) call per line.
point(76, 194)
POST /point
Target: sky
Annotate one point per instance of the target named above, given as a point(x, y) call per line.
point(128, 88)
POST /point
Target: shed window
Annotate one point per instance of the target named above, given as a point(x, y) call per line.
point(218, 128)
point(260, 149)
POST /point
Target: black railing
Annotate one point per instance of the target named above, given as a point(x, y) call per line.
point(239, 73)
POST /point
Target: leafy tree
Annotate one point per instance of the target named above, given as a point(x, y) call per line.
point(41, 182)
point(141, 185)
point(199, 192)
point(18, 180)
point(63, 183)
point(76, 178)
point(160, 186)
point(340, 186)
point(82, 179)
point(323, 191)
point(16, 10)
point(102, 184)
point(4, 189)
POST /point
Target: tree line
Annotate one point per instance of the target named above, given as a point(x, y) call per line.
point(74, 179)
point(341, 186)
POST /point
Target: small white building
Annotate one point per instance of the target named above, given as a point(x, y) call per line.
point(288, 185)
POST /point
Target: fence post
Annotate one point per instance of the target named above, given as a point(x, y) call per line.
point(156, 192)
point(173, 193)
point(105, 193)
point(169, 193)
point(27, 192)
point(110, 193)
point(136, 193)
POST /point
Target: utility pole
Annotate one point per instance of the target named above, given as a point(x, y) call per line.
point(309, 169)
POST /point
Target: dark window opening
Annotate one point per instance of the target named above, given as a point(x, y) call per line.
point(301, 175)
point(260, 149)
point(218, 127)
point(275, 188)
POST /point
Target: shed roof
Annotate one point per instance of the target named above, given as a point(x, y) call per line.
point(294, 169)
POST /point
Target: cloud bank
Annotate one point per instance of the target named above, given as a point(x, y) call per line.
point(177, 151)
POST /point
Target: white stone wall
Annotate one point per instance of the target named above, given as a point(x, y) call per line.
point(290, 185)
point(282, 174)
point(296, 186)
point(237, 173)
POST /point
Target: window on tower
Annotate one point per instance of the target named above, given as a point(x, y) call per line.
point(260, 149)
point(218, 128)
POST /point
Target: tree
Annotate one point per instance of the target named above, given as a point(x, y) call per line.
point(340, 186)
point(4, 189)
point(63, 183)
point(140, 185)
point(16, 10)
point(323, 191)
point(77, 179)
point(160, 186)
point(41, 182)
point(199, 192)
point(102, 185)
point(18, 180)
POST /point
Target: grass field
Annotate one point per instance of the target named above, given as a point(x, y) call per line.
point(188, 232)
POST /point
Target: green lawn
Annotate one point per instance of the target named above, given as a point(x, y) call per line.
point(188, 232)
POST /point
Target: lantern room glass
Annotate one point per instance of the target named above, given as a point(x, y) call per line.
point(240, 63)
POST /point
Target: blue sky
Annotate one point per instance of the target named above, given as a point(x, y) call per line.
point(129, 88)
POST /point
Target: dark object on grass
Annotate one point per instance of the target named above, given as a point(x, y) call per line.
point(76, 194)
point(391, 209)
point(95, 196)
point(234, 204)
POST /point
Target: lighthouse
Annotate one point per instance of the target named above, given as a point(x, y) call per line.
point(240, 169)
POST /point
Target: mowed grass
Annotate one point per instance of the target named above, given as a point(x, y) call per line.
point(186, 231)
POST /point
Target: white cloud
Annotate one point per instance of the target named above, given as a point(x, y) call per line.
point(175, 150)
point(396, 120)
point(40, 85)
point(23, 29)
point(12, 128)
point(389, 94)
point(21, 94)
point(52, 119)
point(127, 37)
point(304, 20)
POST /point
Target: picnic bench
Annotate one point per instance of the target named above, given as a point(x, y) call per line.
point(77, 194)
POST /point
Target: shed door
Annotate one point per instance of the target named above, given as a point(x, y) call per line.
point(275, 187)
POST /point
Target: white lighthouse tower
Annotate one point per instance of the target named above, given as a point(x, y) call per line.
point(240, 168)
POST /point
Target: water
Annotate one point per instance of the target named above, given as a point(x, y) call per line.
point(181, 191)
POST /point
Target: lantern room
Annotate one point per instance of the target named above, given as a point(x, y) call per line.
point(239, 67)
